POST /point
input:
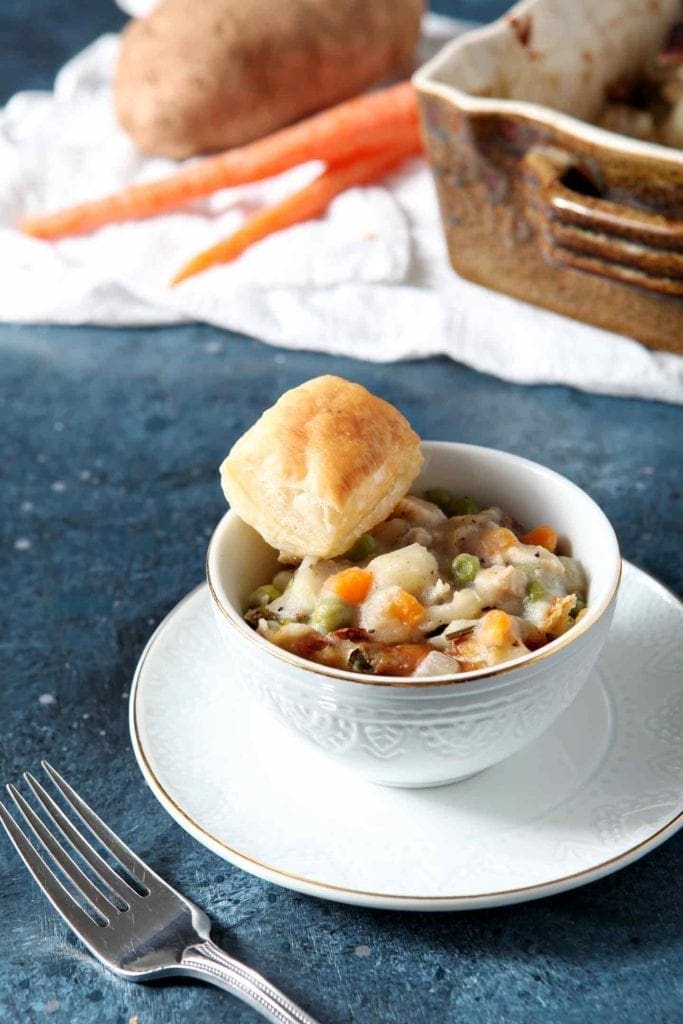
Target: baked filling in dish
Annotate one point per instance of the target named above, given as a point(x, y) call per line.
point(650, 107)
point(439, 587)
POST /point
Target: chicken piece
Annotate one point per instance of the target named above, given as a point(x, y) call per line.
point(540, 564)
point(391, 532)
point(463, 532)
point(495, 638)
point(465, 604)
point(419, 512)
point(418, 535)
point(501, 586)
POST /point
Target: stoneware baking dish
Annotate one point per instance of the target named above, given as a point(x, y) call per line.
point(535, 200)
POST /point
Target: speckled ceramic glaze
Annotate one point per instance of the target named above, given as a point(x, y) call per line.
point(535, 201)
point(404, 732)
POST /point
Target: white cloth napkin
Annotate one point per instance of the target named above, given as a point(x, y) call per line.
point(370, 279)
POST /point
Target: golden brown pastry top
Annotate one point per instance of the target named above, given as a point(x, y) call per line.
point(326, 463)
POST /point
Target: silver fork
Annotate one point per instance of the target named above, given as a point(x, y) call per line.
point(140, 935)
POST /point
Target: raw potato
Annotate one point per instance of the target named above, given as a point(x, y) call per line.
point(201, 75)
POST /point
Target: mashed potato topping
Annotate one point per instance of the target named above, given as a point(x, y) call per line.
point(440, 587)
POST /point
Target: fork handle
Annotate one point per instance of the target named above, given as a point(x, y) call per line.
point(209, 962)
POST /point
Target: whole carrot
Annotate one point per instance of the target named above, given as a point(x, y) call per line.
point(367, 123)
point(309, 202)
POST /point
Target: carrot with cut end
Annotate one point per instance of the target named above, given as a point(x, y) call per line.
point(309, 202)
point(543, 536)
point(368, 123)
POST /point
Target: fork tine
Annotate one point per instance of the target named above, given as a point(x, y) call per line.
point(88, 852)
point(62, 858)
point(62, 900)
point(125, 856)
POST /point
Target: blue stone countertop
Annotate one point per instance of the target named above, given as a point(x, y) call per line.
point(109, 445)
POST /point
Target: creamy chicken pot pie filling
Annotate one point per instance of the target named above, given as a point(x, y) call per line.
point(438, 588)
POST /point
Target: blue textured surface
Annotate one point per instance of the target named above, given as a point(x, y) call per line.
point(109, 443)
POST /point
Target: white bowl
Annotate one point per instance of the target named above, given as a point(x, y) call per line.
point(408, 732)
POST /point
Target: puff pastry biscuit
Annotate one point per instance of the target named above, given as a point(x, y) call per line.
point(323, 465)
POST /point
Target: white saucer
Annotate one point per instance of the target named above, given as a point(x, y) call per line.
point(599, 789)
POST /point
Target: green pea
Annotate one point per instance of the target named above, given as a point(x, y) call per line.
point(464, 507)
point(465, 568)
point(365, 547)
point(263, 595)
point(331, 613)
point(535, 591)
point(441, 497)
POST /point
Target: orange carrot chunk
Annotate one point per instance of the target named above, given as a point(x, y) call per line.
point(351, 585)
point(309, 202)
point(495, 628)
point(544, 536)
point(495, 540)
point(368, 123)
point(407, 609)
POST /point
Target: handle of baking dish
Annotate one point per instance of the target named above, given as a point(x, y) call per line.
point(624, 243)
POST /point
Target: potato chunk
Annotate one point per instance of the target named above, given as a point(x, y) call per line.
point(412, 568)
point(302, 594)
